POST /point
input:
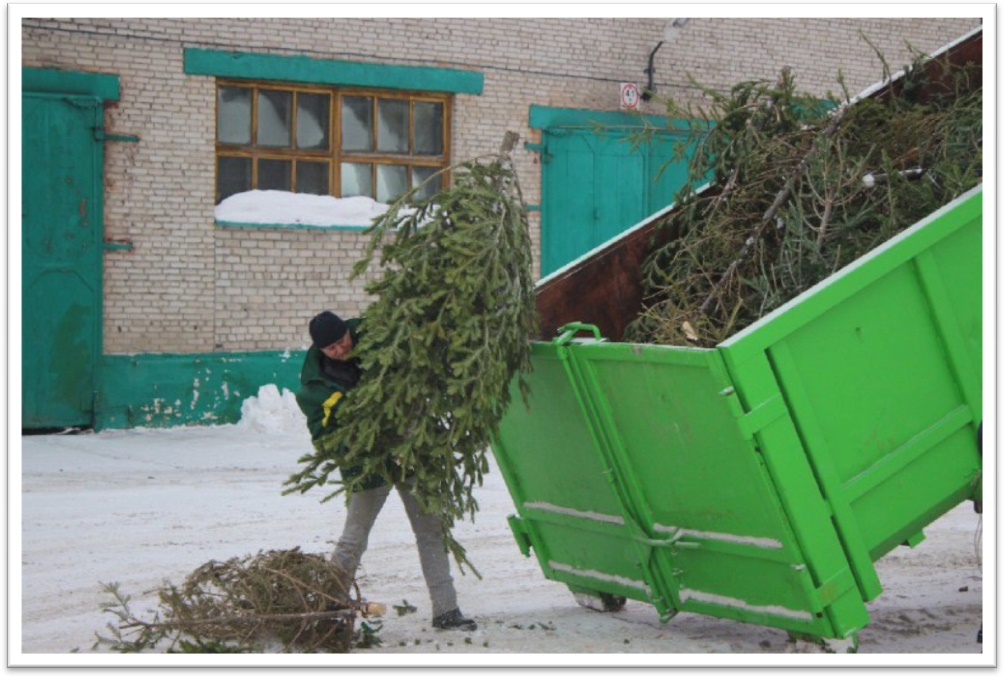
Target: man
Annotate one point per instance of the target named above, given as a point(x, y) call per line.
point(330, 372)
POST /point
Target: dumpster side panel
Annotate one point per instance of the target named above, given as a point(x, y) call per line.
point(698, 489)
point(548, 445)
point(879, 369)
point(761, 479)
point(569, 514)
point(680, 439)
point(587, 558)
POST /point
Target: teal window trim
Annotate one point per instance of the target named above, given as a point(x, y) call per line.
point(289, 226)
point(543, 117)
point(331, 72)
point(53, 81)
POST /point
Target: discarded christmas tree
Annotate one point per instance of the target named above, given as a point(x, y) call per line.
point(443, 340)
point(280, 600)
point(799, 189)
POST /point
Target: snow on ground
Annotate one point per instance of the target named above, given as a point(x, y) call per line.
point(142, 506)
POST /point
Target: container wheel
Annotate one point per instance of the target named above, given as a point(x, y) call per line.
point(600, 601)
point(849, 644)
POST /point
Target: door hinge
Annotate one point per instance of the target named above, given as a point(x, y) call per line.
point(101, 135)
point(117, 245)
point(540, 149)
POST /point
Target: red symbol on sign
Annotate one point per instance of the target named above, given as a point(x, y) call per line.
point(629, 95)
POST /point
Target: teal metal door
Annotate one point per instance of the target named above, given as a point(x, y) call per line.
point(61, 253)
point(595, 186)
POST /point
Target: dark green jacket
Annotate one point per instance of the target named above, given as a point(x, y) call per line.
point(319, 397)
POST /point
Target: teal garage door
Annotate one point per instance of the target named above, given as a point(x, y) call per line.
point(594, 184)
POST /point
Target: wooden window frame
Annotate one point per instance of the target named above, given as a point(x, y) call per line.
point(333, 155)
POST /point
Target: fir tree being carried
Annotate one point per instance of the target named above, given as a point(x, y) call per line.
point(446, 335)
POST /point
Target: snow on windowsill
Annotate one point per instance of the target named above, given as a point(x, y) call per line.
point(278, 208)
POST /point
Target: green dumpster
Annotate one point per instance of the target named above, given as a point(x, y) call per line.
point(761, 479)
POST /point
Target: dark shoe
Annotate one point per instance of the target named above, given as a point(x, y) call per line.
point(452, 619)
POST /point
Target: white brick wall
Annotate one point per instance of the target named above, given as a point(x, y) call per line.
point(191, 286)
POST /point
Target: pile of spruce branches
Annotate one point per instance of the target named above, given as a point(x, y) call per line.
point(447, 334)
point(279, 600)
point(800, 188)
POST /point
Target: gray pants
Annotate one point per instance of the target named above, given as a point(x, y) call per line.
point(363, 508)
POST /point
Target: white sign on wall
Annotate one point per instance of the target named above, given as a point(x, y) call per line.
point(629, 96)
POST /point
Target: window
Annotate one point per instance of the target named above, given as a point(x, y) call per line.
point(328, 141)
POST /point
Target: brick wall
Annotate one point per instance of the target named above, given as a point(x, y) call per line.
point(191, 286)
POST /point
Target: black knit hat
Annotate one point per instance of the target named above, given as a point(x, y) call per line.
point(327, 328)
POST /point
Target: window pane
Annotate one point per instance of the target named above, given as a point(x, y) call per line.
point(274, 174)
point(392, 126)
point(312, 177)
point(420, 174)
point(392, 181)
point(356, 180)
point(274, 118)
point(428, 128)
point(233, 175)
point(312, 121)
point(357, 123)
point(233, 115)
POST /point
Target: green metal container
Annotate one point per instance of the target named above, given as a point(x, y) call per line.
point(761, 479)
